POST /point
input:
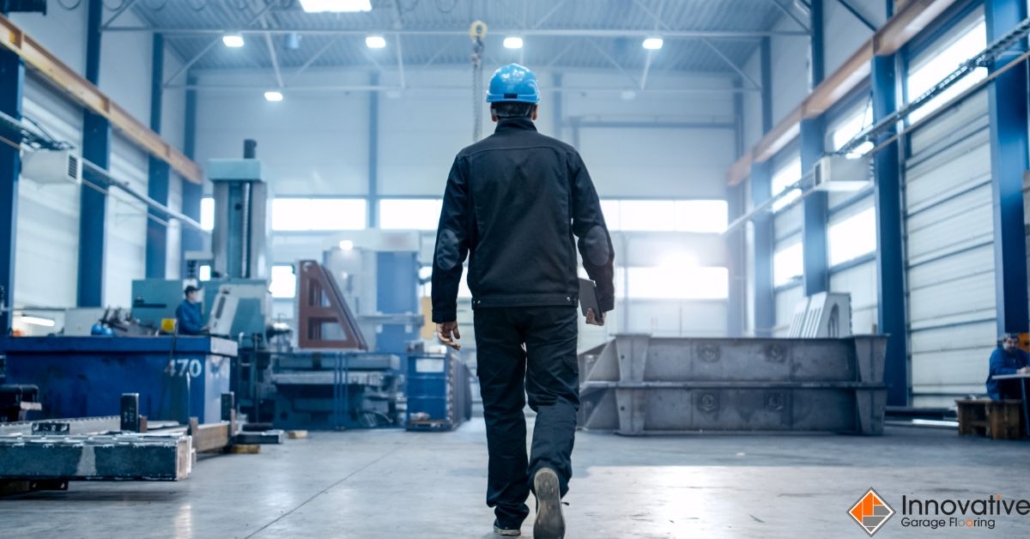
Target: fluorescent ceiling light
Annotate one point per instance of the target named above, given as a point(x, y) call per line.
point(375, 42)
point(346, 245)
point(273, 96)
point(233, 40)
point(38, 321)
point(335, 6)
point(513, 42)
point(653, 43)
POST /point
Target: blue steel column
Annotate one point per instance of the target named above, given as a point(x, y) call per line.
point(192, 239)
point(1009, 159)
point(735, 242)
point(816, 205)
point(373, 153)
point(890, 261)
point(96, 148)
point(761, 191)
point(12, 80)
point(160, 171)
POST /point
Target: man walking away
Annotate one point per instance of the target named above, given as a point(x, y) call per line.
point(514, 202)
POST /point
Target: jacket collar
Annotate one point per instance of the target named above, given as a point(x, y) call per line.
point(515, 124)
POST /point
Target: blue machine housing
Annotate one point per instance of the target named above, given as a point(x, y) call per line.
point(438, 392)
point(176, 377)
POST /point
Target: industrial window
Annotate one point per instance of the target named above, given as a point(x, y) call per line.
point(204, 273)
point(207, 213)
point(284, 282)
point(783, 178)
point(788, 264)
point(311, 214)
point(673, 282)
point(850, 127)
point(852, 237)
point(699, 216)
point(409, 214)
point(935, 65)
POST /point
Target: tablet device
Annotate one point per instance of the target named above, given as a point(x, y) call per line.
point(588, 297)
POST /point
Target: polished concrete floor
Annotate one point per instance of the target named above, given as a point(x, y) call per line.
point(394, 484)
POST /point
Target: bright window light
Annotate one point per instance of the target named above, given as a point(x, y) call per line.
point(676, 282)
point(375, 42)
point(207, 213)
point(233, 40)
point(273, 96)
point(923, 75)
point(653, 43)
point(37, 321)
point(852, 126)
point(311, 214)
point(612, 214)
point(852, 237)
point(784, 177)
point(284, 282)
point(410, 214)
point(336, 6)
point(647, 215)
point(346, 245)
point(513, 42)
point(205, 272)
point(704, 216)
point(788, 264)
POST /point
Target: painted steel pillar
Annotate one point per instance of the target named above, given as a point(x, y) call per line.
point(12, 82)
point(192, 239)
point(160, 172)
point(735, 241)
point(765, 296)
point(890, 259)
point(96, 148)
point(817, 56)
point(373, 153)
point(1009, 160)
point(816, 212)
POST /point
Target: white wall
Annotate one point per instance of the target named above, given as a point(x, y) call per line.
point(48, 219)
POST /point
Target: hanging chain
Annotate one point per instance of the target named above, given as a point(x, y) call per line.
point(477, 32)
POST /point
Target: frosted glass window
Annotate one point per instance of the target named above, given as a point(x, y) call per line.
point(308, 214)
point(409, 214)
point(788, 264)
point(783, 178)
point(207, 213)
point(852, 237)
point(702, 216)
point(851, 127)
point(647, 215)
point(612, 214)
point(284, 282)
point(677, 283)
point(204, 273)
point(923, 75)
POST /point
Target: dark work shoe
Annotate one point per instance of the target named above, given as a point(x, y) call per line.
point(506, 532)
point(550, 524)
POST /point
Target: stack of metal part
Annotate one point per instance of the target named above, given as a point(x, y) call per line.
point(638, 384)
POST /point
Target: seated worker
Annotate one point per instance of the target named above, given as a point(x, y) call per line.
point(189, 319)
point(1008, 358)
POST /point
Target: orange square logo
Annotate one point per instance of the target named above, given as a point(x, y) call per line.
point(871, 512)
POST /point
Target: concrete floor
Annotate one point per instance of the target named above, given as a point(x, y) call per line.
point(395, 484)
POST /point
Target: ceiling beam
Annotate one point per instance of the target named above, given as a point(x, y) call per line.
point(667, 34)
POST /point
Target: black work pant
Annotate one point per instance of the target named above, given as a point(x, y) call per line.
point(548, 371)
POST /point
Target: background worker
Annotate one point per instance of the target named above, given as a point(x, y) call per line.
point(188, 316)
point(1007, 358)
point(515, 201)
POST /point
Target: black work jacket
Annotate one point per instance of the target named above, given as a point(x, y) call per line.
point(515, 201)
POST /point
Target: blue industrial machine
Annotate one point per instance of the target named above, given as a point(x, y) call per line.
point(176, 377)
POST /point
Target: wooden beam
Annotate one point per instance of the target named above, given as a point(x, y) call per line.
point(899, 30)
point(89, 96)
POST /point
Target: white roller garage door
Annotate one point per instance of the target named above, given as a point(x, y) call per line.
point(949, 234)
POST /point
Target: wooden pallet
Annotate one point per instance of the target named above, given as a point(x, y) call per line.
point(998, 420)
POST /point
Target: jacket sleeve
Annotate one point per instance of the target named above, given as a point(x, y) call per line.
point(452, 246)
point(998, 363)
point(595, 243)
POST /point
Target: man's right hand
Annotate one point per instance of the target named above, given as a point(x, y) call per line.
point(448, 334)
point(593, 319)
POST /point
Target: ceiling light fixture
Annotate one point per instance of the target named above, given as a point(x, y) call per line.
point(233, 40)
point(346, 245)
point(513, 42)
point(653, 43)
point(336, 6)
point(375, 42)
point(273, 96)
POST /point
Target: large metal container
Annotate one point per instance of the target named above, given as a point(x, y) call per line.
point(176, 377)
point(438, 391)
point(638, 384)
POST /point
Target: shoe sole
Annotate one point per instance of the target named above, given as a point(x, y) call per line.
point(550, 524)
point(507, 533)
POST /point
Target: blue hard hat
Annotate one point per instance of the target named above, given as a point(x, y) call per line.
point(515, 84)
